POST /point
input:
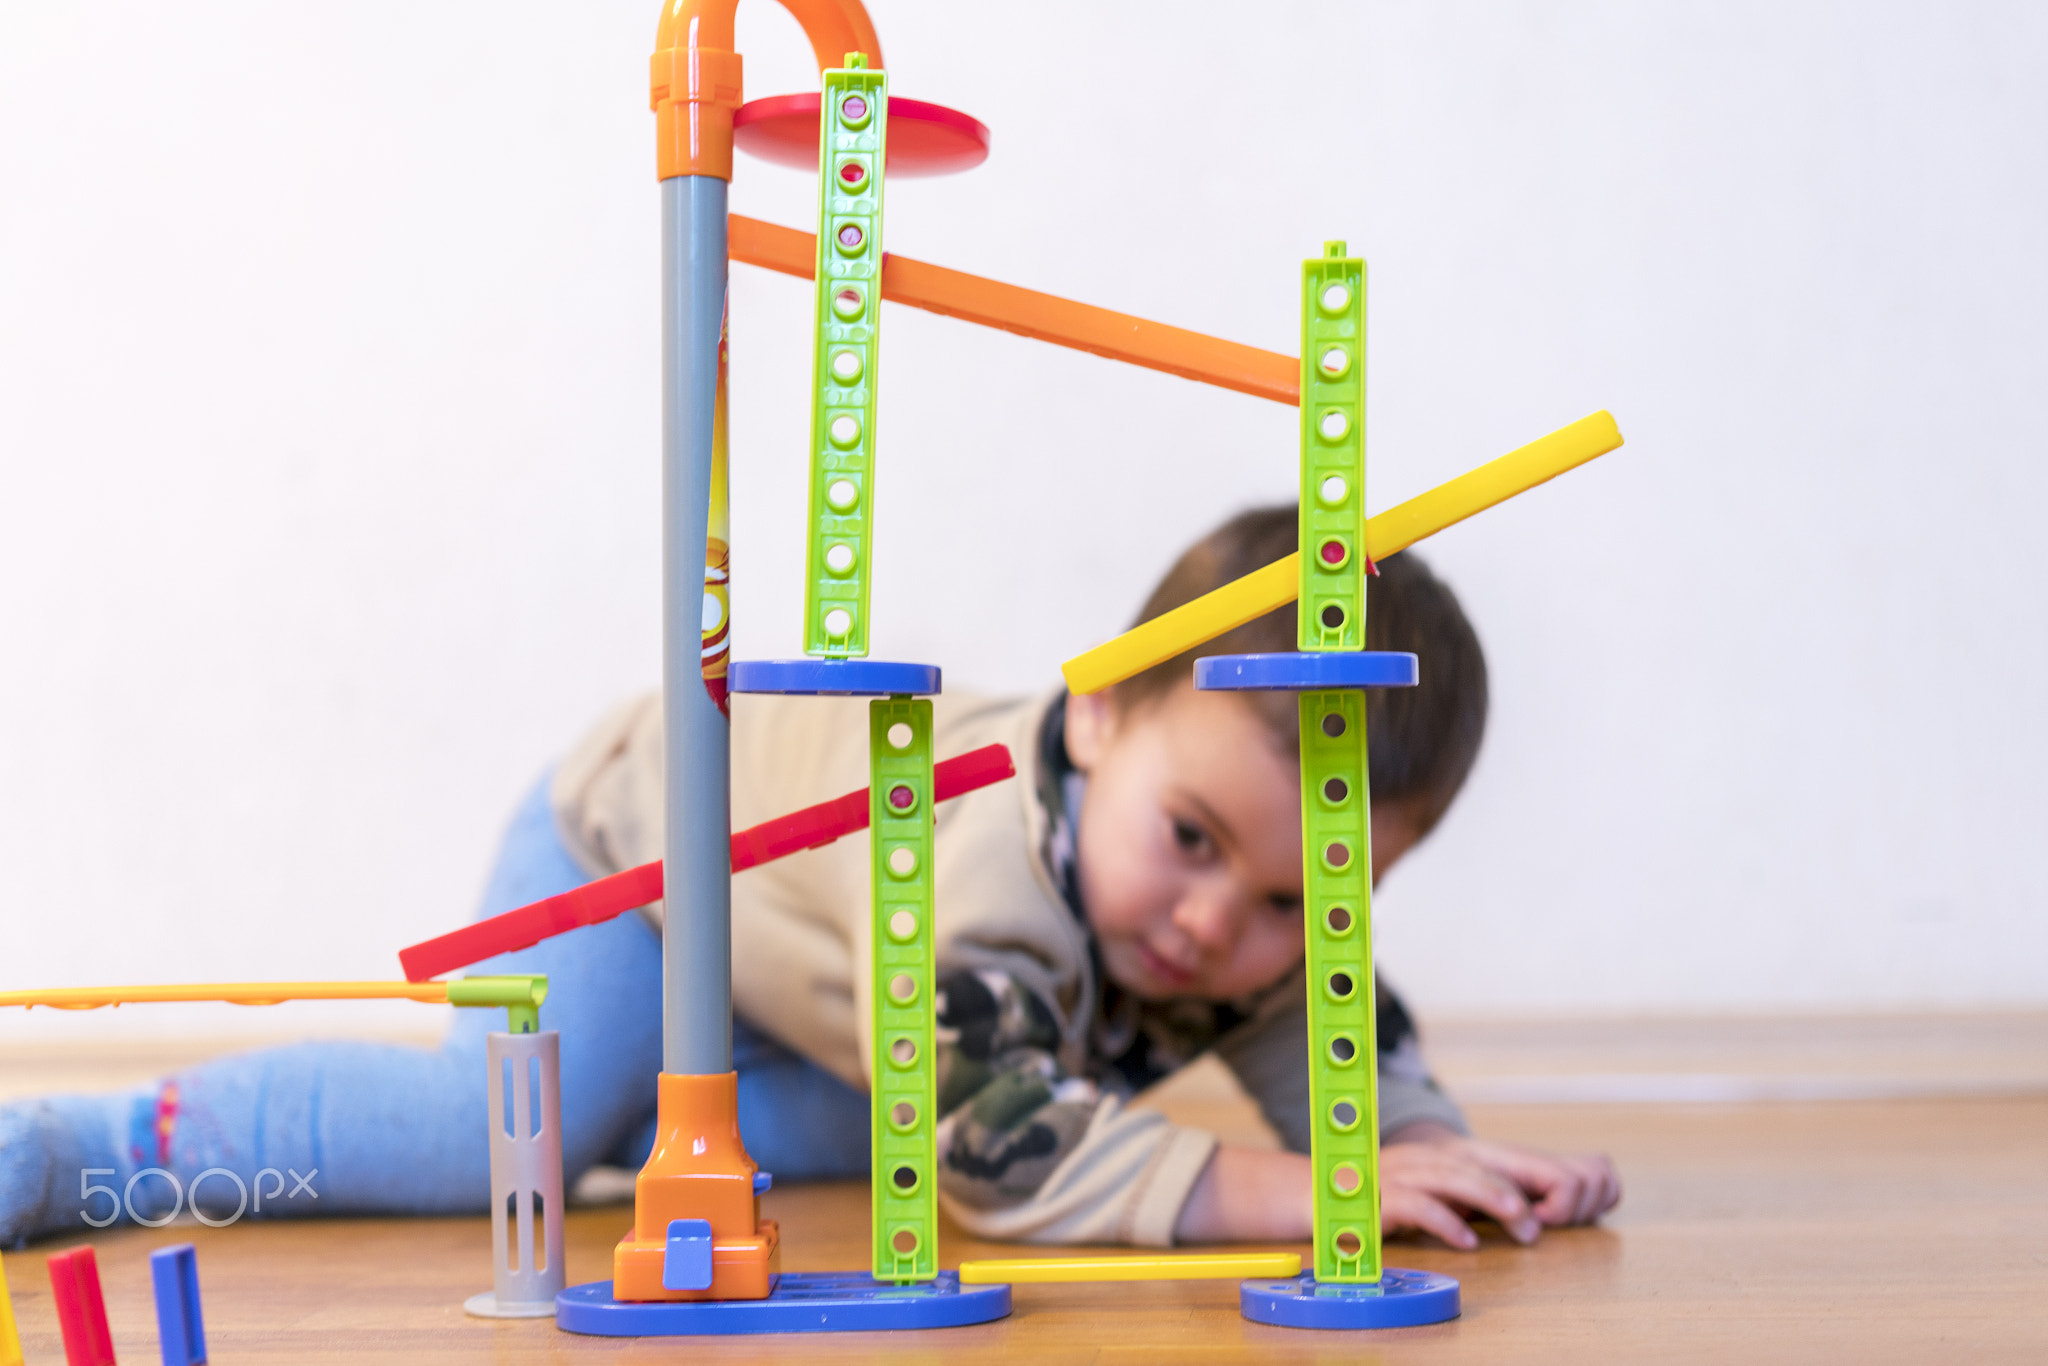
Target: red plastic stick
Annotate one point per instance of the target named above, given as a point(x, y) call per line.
point(81, 1309)
point(610, 897)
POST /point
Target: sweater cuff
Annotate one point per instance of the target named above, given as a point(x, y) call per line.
point(1167, 1183)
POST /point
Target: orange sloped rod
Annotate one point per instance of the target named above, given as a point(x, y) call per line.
point(1042, 317)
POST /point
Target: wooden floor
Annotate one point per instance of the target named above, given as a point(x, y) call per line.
point(1907, 1231)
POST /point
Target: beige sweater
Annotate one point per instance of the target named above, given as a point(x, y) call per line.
point(801, 926)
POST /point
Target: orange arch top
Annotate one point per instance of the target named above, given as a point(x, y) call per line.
point(694, 79)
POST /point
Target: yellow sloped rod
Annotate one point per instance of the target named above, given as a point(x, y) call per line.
point(1262, 590)
point(1194, 1266)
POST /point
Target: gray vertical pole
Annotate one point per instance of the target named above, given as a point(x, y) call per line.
point(696, 1034)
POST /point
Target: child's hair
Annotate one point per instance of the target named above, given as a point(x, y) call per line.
point(1421, 741)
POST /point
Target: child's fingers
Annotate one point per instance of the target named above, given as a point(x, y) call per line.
point(1566, 1190)
point(1570, 1191)
point(1604, 1191)
point(1456, 1177)
point(1403, 1209)
point(1588, 1191)
point(1556, 1185)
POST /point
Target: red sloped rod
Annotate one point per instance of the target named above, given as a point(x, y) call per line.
point(610, 897)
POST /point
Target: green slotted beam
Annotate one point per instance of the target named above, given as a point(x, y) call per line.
point(1335, 802)
point(904, 1094)
point(1344, 1148)
point(854, 114)
point(1332, 611)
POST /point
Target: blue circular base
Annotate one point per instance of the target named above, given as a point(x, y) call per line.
point(832, 677)
point(802, 1302)
point(1307, 672)
point(1401, 1299)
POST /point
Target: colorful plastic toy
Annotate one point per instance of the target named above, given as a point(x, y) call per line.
point(1331, 586)
point(81, 1308)
point(10, 1339)
point(1187, 1266)
point(1263, 590)
point(607, 898)
point(518, 994)
point(1041, 317)
point(180, 1324)
point(804, 1302)
point(1336, 826)
point(853, 143)
point(903, 1075)
point(524, 1115)
point(1399, 1299)
point(688, 1208)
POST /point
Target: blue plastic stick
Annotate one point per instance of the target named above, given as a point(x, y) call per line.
point(180, 1327)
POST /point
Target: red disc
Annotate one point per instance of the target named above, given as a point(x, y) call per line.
point(924, 139)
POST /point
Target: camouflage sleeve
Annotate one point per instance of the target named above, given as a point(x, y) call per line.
point(1030, 1152)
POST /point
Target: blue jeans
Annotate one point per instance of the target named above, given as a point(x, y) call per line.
point(397, 1130)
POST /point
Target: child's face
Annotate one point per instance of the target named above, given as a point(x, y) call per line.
point(1189, 844)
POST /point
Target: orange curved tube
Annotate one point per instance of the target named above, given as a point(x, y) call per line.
point(694, 83)
point(1042, 317)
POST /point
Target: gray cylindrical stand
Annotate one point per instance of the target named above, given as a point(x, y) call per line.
point(527, 1269)
point(697, 853)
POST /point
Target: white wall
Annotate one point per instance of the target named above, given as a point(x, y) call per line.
point(328, 436)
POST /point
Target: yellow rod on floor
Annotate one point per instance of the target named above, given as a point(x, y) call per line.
point(233, 993)
point(1192, 1266)
point(1263, 590)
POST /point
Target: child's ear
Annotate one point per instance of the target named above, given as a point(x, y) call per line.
point(1091, 722)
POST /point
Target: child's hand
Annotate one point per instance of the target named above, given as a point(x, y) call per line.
point(1430, 1177)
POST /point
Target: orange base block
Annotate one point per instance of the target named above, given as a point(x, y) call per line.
point(699, 1169)
point(741, 1268)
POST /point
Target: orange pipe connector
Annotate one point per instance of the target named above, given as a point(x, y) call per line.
point(694, 83)
point(1042, 317)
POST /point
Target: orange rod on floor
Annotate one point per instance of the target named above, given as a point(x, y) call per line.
point(1043, 317)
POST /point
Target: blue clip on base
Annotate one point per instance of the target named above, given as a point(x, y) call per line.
point(802, 1302)
point(1401, 1299)
point(833, 677)
point(1307, 672)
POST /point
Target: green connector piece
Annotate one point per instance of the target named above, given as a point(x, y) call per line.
point(1332, 611)
point(1344, 1147)
point(853, 146)
point(904, 1104)
point(521, 996)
